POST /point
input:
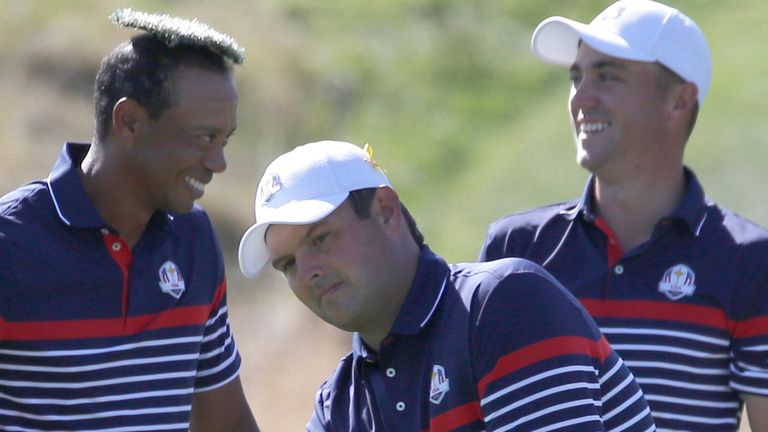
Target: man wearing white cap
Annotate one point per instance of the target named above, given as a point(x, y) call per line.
point(678, 285)
point(470, 347)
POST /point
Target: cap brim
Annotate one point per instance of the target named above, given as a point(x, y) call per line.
point(556, 41)
point(252, 252)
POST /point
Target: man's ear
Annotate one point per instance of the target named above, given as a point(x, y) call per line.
point(128, 116)
point(684, 97)
point(387, 210)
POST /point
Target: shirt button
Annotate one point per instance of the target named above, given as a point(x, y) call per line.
point(391, 372)
point(400, 406)
point(619, 269)
point(116, 246)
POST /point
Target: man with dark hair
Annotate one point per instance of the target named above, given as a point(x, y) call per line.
point(439, 347)
point(678, 285)
point(113, 310)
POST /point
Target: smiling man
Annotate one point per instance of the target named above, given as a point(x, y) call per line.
point(678, 285)
point(438, 347)
point(113, 310)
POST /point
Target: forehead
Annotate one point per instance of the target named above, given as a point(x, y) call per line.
point(590, 58)
point(587, 55)
point(280, 238)
point(283, 236)
point(201, 85)
point(203, 98)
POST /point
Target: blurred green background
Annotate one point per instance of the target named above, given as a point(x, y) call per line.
point(467, 123)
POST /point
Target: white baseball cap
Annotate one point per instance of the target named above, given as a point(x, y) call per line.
point(304, 186)
point(640, 30)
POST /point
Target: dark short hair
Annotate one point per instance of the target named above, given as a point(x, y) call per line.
point(669, 78)
point(143, 69)
point(361, 200)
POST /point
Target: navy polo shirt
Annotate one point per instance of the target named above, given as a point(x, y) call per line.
point(687, 310)
point(476, 347)
point(95, 335)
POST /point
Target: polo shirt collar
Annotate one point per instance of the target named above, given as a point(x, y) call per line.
point(427, 289)
point(691, 209)
point(584, 206)
point(73, 205)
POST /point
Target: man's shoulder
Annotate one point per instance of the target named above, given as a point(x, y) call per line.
point(738, 229)
point(19, 205)
point(533, 217)
point(495, 271)
point(516, 277)
point(24, 194)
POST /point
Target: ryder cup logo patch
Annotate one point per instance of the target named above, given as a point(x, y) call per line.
point(677, 282)
point(171, 281)
point(615, 13)
point(268, 188)
point(439, 384)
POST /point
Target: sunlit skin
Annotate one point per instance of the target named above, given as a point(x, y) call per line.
point(164, 163)
point(353, 273)
point(620, 117)
point(179, 153)
point(632, 136)
point(630, 132)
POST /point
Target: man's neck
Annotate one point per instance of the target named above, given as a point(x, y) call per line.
point(105, 187)
point(633, 206)
point(406, 255)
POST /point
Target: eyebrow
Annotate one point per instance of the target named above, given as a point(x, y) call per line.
point(211, 129)
point(600, 65)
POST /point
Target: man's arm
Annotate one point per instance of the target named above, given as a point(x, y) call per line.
point(223, 409)
point(550, 368)
point(757, 411)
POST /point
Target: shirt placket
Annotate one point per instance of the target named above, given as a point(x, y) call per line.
point(121, 254)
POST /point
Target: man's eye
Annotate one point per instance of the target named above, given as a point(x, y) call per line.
point(321, 238)
point(286, 266)
point(575, 79)
point(607, 77)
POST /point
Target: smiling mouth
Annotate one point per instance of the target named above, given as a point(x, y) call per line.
point(196, 184)
point(593, 127)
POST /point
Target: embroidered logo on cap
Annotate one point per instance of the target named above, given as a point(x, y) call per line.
point(171, 281)
point(269, 186)
point(617, 13)
point(678, 281)
point(439, 385)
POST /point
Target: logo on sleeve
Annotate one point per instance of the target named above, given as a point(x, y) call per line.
point(439, 385)
point(171, 281)
point(677, 282)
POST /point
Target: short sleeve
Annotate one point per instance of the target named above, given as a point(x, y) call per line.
point(219, 360)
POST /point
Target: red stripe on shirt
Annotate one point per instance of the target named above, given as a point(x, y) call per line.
point(657, 310)
point(750, 328)
point(543, 350)
point(219, 295)
point(99, 328)
point(460, 416)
